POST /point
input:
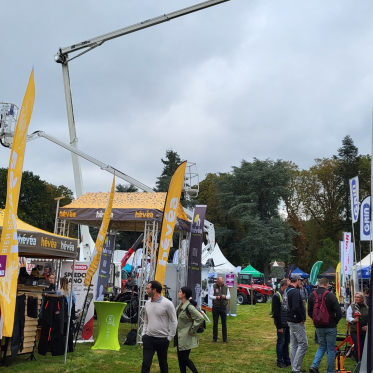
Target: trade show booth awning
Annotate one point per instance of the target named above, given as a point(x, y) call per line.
point(329, 273)
point(220, 261)
point(299, 272)
point(364, 273)
point(36, 243)
point(250, 270)
point(129, 213)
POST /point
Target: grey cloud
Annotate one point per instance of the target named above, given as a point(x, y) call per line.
point(244, 79)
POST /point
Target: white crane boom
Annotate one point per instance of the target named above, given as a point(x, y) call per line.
point(62, 55)
point(208, 227)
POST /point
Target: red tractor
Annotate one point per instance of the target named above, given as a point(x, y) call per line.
point(262, 293)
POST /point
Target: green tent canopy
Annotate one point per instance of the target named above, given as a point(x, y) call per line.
point(250, 270)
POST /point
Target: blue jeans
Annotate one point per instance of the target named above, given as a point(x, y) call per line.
point(327, 338)
point(282, 346)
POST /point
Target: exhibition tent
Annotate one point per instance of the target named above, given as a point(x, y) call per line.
point(36, 243)
point(250, 270)
point(329, 273)
point(299, 272)
point(129, 213)
point(220, 261)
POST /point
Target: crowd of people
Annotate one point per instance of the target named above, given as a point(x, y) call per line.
point(290, 304)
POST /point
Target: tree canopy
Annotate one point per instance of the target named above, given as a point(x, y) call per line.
point(246, 203)
point(171, 163)
point(36, 204)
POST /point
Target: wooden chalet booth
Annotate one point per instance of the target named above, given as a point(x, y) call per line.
point(40, 245)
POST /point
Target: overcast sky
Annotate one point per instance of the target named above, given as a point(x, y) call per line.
point(266, 79)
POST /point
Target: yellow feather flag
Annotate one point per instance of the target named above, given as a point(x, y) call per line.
point(169, 220)
point(338, 280)
point(9, 238)
point(100, 239)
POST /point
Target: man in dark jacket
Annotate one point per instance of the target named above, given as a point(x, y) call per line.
point(327, 334)
point(296, 319)
point(280, 319)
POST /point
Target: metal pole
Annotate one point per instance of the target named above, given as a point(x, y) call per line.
point(251, 293)
point(371, 198)
point(69, 314)
point(72, 130)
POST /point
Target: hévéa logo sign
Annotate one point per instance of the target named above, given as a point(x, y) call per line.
point(165, 244)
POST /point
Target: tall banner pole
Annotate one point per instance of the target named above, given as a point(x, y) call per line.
point(9, 237)
point(354, 200)
point(169, 220)
point(95, 261)
point(370, 324)
point(195, 252)
point(348, 253)
point(343, 277)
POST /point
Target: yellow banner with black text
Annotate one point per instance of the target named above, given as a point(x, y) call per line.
point(168, 222)
point(100, 239)
point(9, 238)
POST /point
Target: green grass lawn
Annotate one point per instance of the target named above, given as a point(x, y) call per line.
point(251, 348)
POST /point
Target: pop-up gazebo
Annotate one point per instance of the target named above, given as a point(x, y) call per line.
point(250, 270)
point(329, 273)
point(299, 272)
point(129, 213)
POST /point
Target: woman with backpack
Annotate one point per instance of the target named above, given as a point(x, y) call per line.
point(189, 320)
point(358, 314)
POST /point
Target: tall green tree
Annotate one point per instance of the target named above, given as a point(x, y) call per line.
point(320, 191)
point(126, 188)
point(328, 255)
point(170, 164)
point(251, 195)
point(224, 225)
point(36, 204)
point(364, 176)
point(348, 167)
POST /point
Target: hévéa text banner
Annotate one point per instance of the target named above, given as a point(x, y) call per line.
point(95, 261)
point(169, 220)
point(9, 238)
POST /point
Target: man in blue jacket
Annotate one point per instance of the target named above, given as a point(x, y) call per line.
point(296, 319)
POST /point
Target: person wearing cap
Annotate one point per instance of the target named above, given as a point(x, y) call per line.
point(296, 321)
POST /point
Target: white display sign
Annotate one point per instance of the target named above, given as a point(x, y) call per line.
point(81, 292)
point(348, 251)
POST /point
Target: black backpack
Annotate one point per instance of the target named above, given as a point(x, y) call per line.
point(131, 338)
point(202, 326)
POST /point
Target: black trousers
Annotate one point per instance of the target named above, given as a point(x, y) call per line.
point(362, 340)
point(150, 346)
point(52, 325)
point(18, 326)
point(185, 362)
point(222, 312)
